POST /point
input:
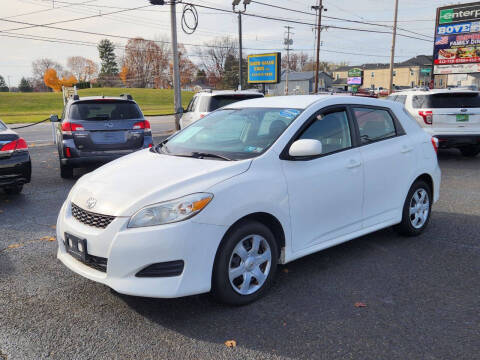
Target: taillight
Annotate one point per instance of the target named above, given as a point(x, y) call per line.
point(145, 124)
point(69, 127)
point(15, 145)
point(202, 116)
point(435, 144)
point(427, 116)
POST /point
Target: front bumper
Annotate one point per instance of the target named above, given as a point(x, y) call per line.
point(129, 251)
point(16, 169)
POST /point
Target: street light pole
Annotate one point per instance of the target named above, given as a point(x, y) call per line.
point(177, 92)
point(235, 3)
point(392, 53)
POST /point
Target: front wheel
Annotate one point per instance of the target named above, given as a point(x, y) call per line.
point(416, 209)
point(245, 265)
point(470, 151)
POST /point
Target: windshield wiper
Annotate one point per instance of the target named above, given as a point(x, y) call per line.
point(201, 155)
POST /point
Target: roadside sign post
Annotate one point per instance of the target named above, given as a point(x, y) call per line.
point(456, 47)
point(264, 69)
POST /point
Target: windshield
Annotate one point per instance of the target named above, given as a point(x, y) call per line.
point(233, 133)
point(105, 110)
point(447, 100)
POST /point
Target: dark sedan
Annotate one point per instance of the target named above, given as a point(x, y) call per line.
point(95, 130)
point(15, 163)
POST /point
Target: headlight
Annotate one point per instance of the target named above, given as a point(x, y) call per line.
point(170, 211)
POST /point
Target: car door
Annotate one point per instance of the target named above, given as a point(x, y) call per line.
point(325, 192)
point(388, 162)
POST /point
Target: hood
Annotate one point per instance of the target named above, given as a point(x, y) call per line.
point(124, 186)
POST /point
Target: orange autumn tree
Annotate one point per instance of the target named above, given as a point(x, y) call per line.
point(124, 74)
point(52, 81)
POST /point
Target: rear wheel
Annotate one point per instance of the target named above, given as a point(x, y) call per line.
point(245, 265)
point(416, 209)
point(66, 171)
point(13, 190)
point(470, 151)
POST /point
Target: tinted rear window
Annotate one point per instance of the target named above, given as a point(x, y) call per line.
point(446, 100)
point(104, 110)
point(216, 102)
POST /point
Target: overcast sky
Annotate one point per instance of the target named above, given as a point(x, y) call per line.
point(260, 35)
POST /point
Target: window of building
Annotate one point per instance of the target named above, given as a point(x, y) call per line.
point(394, 73)
point(373, 74)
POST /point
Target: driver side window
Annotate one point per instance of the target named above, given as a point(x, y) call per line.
point(331, 129)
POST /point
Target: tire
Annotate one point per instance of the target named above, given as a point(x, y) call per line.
point(470, 151)
point(66, 171)
point(13, 190)
point(419, 193)
point(231, 289)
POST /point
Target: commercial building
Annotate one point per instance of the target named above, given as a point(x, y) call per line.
point(414, 72)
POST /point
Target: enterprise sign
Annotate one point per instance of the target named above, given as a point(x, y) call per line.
point(459, 13)
point(264, 68)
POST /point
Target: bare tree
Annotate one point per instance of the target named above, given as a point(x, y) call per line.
point(145, 63)
point(82, 68)
point(214, 54)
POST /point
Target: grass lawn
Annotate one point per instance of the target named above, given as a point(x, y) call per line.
point(33, 107)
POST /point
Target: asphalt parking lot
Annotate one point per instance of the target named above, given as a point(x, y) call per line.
point(421, 294)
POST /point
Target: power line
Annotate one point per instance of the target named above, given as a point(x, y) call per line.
point(337, 18)
point(122, 47)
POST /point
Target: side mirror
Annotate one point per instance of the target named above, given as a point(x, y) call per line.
point(305, 147)
point(54, 118)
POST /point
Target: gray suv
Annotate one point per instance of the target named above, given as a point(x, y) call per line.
point(96, 130)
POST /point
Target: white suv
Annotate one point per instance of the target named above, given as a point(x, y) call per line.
point(206, 101)
point(451, 115)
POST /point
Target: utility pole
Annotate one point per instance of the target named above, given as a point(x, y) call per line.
point(392, 53)
point(287, 42)
point(319, 8)
point(235, 3)
point(177, 91)
point(176, 69)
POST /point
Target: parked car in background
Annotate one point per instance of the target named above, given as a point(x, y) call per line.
point(99, 129)
point(15, 163)
point(451, 115)
point(256, 183)
point(206, 101)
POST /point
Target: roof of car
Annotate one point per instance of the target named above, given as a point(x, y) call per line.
point(228, 92)
point(304, 101)
point(434, 91)
point(89, 98)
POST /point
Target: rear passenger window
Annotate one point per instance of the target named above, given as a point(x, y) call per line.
point(332, 130)
point(374, 124)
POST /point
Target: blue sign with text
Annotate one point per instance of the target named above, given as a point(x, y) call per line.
point(264, 68)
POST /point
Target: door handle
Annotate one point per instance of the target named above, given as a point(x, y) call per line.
point(353, 164)
point(406, 149)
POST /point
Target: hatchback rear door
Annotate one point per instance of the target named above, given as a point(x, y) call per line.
point(106, 125)
point(454, 111)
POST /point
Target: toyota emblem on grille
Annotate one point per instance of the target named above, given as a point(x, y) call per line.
point(108, 124)
point(91, 202)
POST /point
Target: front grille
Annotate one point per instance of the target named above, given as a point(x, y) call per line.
point(91, 219)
